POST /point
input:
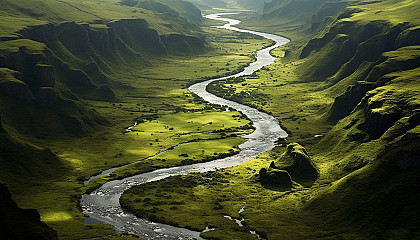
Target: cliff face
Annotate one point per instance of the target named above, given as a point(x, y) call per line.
point(136, 34)
point(81, 58)
point(44, 75)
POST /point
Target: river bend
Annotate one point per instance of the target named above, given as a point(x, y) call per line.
point(102, 205)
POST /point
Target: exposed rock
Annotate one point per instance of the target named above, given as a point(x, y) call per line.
point(45, 75)
point(16, 89)
point(275, 177)
point(382, 109)
point(377, 123)
point(75, 38)
point(47, 97)
point(296, 162)
point(17, 223)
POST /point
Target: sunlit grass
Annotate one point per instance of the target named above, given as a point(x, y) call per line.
point(56, 217)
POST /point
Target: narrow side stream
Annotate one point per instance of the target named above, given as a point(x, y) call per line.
point(102, 205)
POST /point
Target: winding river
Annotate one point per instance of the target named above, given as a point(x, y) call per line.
point(102, 205)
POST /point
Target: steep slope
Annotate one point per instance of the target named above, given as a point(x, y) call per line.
point(24, 164)
point(18, 223)
point(367, 61)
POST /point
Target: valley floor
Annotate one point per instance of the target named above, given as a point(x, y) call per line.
point(167, 115)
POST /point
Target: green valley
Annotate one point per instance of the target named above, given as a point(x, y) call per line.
point(92, 85)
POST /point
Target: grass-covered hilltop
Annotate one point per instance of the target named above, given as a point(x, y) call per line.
point(89, 85)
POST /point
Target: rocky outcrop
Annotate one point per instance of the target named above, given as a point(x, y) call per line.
point(275, 177)
point(19, 224)
point(379, 115)
point(137, 34)
point(365, 43)
point(296, 162)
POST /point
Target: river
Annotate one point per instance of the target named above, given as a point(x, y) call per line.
point(102, 205)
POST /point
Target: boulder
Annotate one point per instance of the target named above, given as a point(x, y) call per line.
point(275, 177)
point(296, 162)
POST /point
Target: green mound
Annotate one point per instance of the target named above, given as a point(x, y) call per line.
point(273, 177)
point(296, 162)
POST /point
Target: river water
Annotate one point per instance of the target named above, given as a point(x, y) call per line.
point(102, 205)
